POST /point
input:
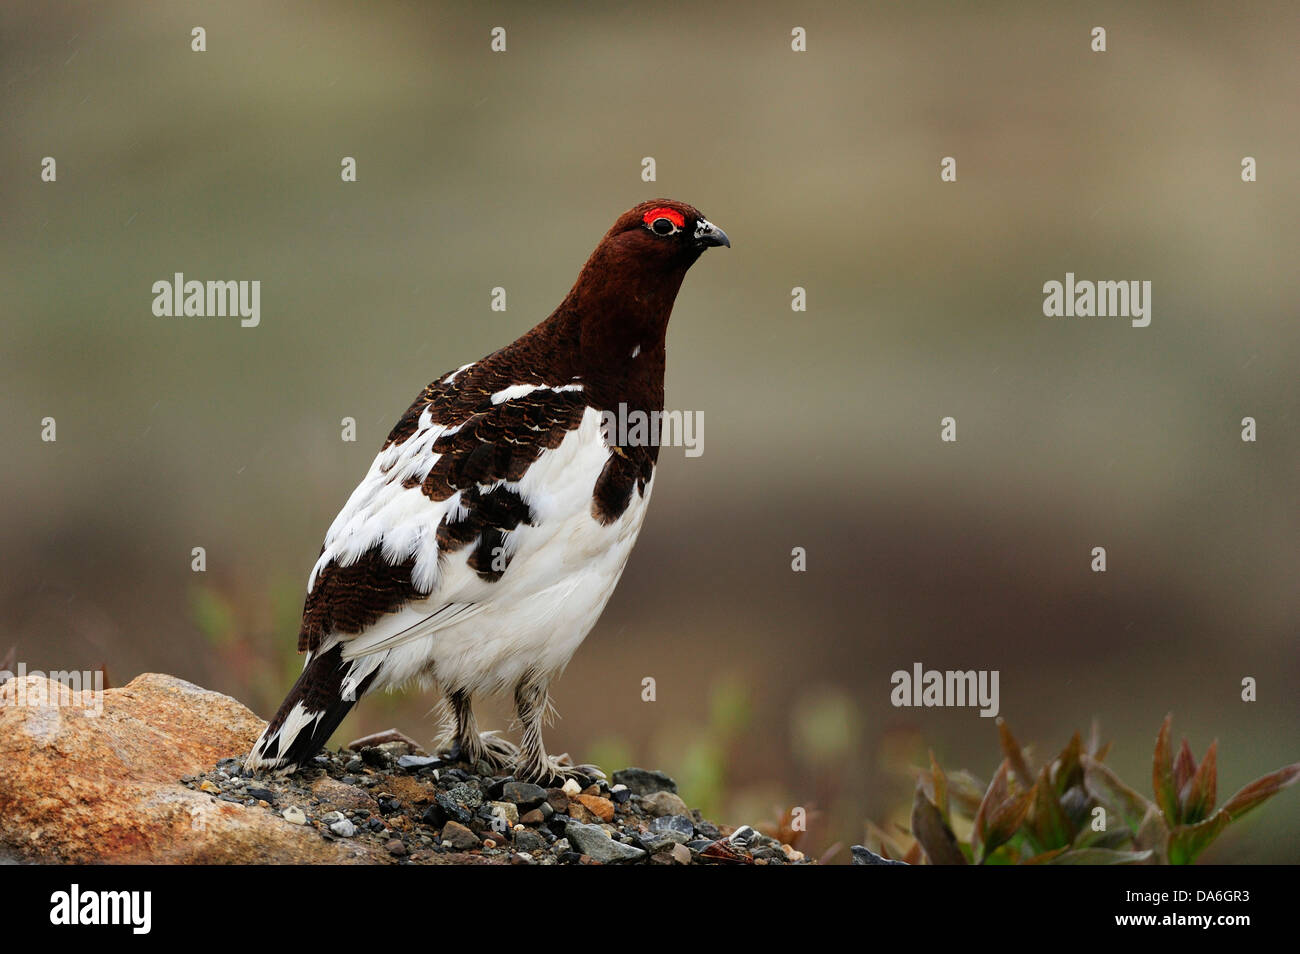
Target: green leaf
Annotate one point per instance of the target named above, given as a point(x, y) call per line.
point(1261, 790)
point(1051, 827)
point(1162, 774)
point(1105, 786)
point(1100, 856)
point(1011, 749)
point(932, 832)
point(1188, 841)
point(1197, 795)
point(1153, 833)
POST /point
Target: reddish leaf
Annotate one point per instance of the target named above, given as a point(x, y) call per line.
point(999, 816)
point(1069, 770)
point(1198, 794)
point(1184, 766)
point(1162, 774)
point(940, 784)
point(1011, 749)
point(933, 833)
point(1261, 790)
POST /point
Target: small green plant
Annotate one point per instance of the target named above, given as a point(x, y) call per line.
point(1072, 810)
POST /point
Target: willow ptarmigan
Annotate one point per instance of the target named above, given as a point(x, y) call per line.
point(489, 533)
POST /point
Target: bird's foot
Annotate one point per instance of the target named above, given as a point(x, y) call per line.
point(555, 770)
point(490, 747)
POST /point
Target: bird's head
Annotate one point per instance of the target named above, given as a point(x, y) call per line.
point(624, 294)
point(664, 232)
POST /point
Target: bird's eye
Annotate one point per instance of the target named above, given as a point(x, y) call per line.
point(663, 226)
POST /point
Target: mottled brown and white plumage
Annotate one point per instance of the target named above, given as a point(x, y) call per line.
point(492, 528)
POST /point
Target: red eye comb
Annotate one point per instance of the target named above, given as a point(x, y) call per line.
point(672, 215)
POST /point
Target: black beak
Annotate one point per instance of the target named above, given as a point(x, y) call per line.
point(707, 234)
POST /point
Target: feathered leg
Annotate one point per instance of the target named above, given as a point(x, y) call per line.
point(468, 743)
point(532, 709)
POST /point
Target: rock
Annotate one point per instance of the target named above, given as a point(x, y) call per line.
point(655, 842)
point(863, 855)
point(340, 797)
point(502, 813)
point(592, 841)
point(558, 800)
point(376, 756)
point(523, 794)
point(663, 803)
point(459, 837)
point(530, 841)
point(343, 828)
point(413, 763)
point(95, 779)
point(678, 827)
point(602, 808)
point(644, 781)
point(153, 772)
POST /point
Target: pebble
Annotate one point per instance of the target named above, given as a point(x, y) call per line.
point(343, 828)
point(602, 808)
point(527, 840)
point(663, 803)
point(644, 781)
point(459, 837)
point(592, 841)
point(393, 801)
point(523, 794)
point(498, 812)
point(414, 763)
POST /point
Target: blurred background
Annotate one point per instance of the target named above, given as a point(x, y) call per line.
point(924, 299)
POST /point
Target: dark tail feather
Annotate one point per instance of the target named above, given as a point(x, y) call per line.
point(311, 711)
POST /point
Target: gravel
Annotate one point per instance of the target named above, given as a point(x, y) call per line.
point(418, 808)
